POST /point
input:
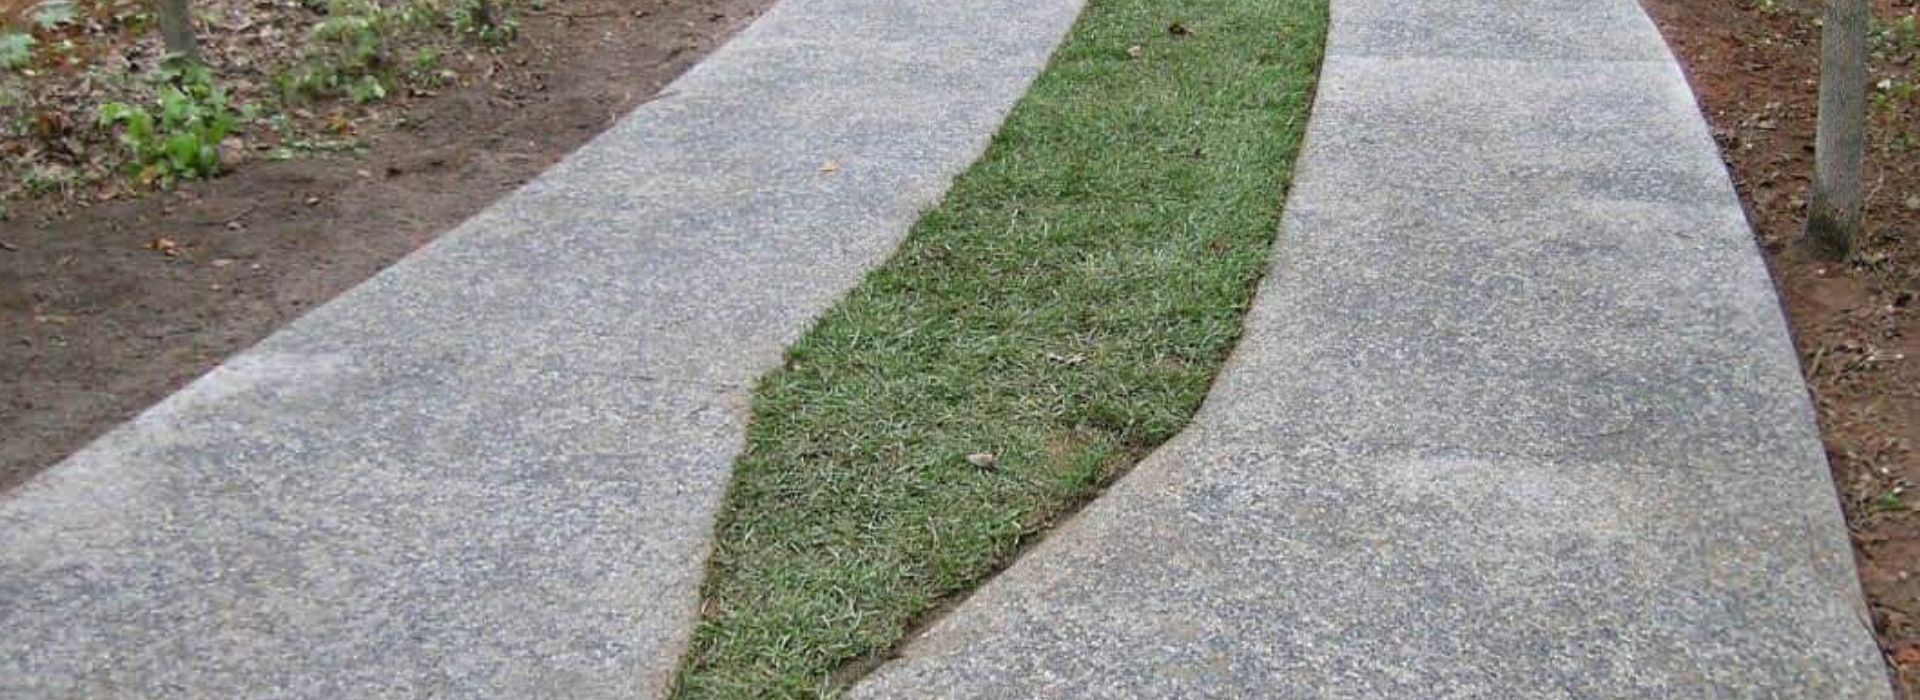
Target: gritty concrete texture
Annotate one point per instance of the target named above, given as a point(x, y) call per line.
point(491, 471)
point(1515, 416)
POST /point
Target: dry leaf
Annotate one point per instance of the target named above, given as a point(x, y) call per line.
point(829, 167)
point(983, 460)
point(165, 246)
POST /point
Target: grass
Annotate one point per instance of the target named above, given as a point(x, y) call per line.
point(1064, 309)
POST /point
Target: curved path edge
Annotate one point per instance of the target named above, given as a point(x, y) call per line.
point(491, 470)
point(1515, 414)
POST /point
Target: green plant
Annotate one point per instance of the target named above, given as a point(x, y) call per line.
point(367, 89)
point(1890, 93)
point(1890, 501)
point(490, 22)
point(346, 55)
point(52, 13)
point(424, 70)
point(426, 59)
point(1892, 39)
point(16, 49)
point(181, 136)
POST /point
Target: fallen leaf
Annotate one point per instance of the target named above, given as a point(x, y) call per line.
point(1136, 51)
point(1073, 360)
point(1907, 656)
point(1911, 202)
point(221, 262)
point(829, 167)
point(165, 246)
point(983, 460)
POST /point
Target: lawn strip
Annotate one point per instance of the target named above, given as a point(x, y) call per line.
point(1063, 310)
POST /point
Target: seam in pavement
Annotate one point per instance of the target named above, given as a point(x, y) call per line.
point(1509, 230)
point(451, 481)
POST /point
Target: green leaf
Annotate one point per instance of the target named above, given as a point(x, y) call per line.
point(52, 13)
point(16, 49)
point(174, 106)
point(181, 149)
point(115, 112)
point(367, 89)
point(209, 162)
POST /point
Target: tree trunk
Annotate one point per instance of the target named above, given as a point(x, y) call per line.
point(176, 28)
point(1840, 143)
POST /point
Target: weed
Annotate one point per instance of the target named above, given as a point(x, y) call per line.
point(52, 14)
point(1890, 93)
point(426, 59)
point(1896, 38)
point(486, 21)
point(181, 137)
point(46, 179)
point(425, 71)
point(350, 53)
point(16, 49)
point(367, 89)
point(1895, 42)
point(1890, 501)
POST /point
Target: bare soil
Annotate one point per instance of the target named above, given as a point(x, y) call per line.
point(1754, 66)
point(106, 308)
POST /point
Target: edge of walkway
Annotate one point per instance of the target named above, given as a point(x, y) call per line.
point(1515, 414)
point(491, 470)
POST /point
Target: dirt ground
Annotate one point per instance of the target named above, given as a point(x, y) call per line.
point(1754, 66)
point(108, 308)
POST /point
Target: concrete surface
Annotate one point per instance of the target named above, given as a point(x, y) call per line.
point(491, 471)
point(1515, 416)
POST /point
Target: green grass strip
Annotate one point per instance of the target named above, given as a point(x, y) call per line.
point(1065, 309)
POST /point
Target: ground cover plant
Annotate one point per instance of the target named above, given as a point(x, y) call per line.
point(93, 108)
point(1058, 316)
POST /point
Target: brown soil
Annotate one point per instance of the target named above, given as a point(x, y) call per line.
point(106, 309)
point(1754, 67)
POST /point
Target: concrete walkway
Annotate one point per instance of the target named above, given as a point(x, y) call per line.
point(1515, 416)
point(491, 471)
